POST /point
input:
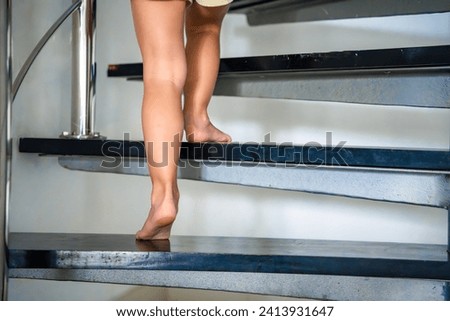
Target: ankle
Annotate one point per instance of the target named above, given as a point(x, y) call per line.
point(196, 118)
point(164, 194)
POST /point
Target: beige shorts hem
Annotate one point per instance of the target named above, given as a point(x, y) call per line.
point(212, 3)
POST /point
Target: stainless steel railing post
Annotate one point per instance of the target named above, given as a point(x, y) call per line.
point(83, 72)
point(5, 136)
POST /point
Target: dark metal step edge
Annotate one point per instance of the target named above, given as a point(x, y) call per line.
point(338, 156)
point(255, 6)
point(233, 263)
point(396, 59)
point(126, 243)
point(241, 6)
point(146, 257)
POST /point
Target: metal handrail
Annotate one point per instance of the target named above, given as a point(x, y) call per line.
point(37, 49)
point(5, 137)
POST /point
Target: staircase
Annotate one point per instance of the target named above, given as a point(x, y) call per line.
point(319, 269)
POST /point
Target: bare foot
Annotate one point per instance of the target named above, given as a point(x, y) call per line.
point(201, 130)
point(159, 221)
point(204, 131)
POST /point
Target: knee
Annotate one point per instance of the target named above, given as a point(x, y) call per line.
point(166, 70)
point(203, 28)
point(201, 19)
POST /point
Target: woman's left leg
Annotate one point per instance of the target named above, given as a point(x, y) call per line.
point(203, 25)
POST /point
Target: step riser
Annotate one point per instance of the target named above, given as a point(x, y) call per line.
point(407, 90)
point(394, 186)
point(291, 285)
point(285, 11)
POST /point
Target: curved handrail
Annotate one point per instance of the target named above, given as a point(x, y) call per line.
point(26, 66)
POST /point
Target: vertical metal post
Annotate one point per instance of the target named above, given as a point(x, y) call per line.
point(5, 135)
point(83, 72)
point(446, 290)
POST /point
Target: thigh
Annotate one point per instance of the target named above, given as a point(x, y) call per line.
point(199, 15)
point(159, 31)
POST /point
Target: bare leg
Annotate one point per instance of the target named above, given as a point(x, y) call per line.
point(203, 26)
point(159, 30)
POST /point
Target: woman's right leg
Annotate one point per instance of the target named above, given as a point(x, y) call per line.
point(159, 30)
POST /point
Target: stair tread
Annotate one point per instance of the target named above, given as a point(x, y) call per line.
point(223, 245)
point(232, 254)
point(412, 58)
point(348, 157)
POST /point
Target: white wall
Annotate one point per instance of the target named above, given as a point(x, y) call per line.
point(47, 198)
